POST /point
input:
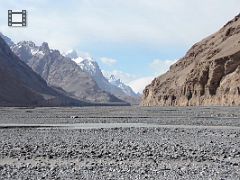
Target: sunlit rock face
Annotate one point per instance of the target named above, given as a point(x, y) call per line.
point(209, 74)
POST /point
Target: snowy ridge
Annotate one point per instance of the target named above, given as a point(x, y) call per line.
point(126, 89)
point(89, 66)
point(31, 49)
point(112, 85)
point(62, 73)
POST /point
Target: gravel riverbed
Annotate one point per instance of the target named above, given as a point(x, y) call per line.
point(197, 143)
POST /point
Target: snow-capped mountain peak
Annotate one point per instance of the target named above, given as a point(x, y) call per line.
point(44, 47)
point(90, 66)
point(78, 60)
point(111, 85)
point(126, 89)
point(114, 80)
point(29, 48)
point(86, 62)
point(72, 54)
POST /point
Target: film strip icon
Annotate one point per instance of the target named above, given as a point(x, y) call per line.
point(23, 21)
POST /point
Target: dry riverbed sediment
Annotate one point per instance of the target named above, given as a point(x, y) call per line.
point(169, 143)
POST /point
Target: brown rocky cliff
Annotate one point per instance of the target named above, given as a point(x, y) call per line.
point(209, 74)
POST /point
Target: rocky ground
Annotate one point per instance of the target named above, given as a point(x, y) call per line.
point(205, 146)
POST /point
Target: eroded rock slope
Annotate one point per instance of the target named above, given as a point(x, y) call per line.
point(209, 74)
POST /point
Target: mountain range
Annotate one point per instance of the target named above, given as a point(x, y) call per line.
point(113, 86)
point(21, 86)
point(209, 74)
point(61, 72)
point(69, 74)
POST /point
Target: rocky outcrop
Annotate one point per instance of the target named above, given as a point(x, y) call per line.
point(209, 74)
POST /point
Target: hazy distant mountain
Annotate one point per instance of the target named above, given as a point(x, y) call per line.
point(21, 86)
point(115, 87)
point(61, 72)
point(209, 74)
point(126, 89)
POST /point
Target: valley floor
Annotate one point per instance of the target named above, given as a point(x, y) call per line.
point(120, 143)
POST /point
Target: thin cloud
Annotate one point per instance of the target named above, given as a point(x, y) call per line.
point(138, 85)
point(161, 66)
point(125, 77)
point(156, 23)
point(108, 61)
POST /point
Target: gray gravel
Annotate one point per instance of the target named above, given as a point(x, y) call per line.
point(193, 149)
point(210, 116)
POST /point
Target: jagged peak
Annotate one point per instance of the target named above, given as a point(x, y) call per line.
point(44, 47)
point(72, 54)
point(90, 66)
point(83, 58)
point(113, 78)
point(88, 58)
point(89, 61)
point(33, 49)
point(27, 43)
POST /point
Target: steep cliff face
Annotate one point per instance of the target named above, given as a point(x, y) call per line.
point(209, 74)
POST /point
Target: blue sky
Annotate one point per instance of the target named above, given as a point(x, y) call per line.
point(135, 40)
